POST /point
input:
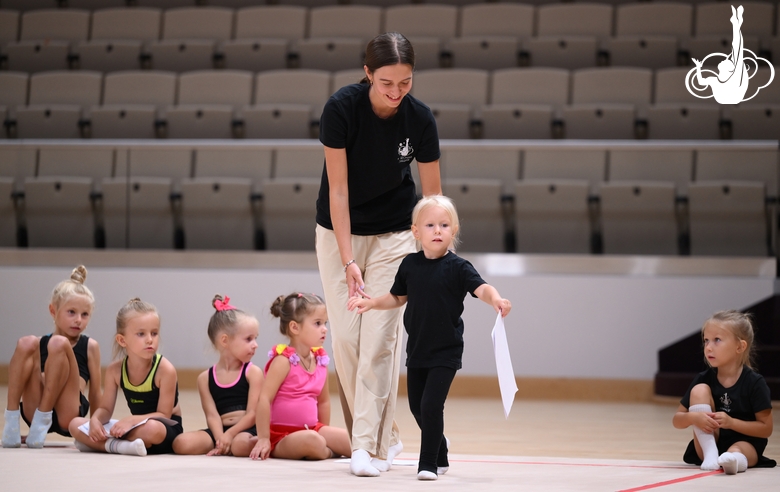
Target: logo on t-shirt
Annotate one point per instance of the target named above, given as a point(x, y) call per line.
point(405, 152)
point(726, 402)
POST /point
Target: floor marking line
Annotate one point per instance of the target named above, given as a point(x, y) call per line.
point(573, 464)
point(672, 482)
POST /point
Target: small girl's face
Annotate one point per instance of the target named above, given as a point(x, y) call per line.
point(142, 335)
point(721, 346)
point(312, 331)
point(243, 343)
point(71, 317)
point(434, 231)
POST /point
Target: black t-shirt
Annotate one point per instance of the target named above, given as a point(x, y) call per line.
point(379, 151)
point(748, 396)
point(435, 289)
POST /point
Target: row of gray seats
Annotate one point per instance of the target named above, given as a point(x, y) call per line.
point(632, 201)
point(487, 36)
point(528, 103)
point(721, 218)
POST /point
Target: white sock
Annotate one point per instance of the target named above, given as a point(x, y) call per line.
point(392, 452)
point(123, 446)
point(427, 475)
point(707, 441)
point(733, 463)
point(444, 469)
point(82, 447)
point(360, 464)
point(39, 427)
point(12, 435)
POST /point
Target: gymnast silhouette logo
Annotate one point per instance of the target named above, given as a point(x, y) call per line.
point(405, 151)
point(730, 84)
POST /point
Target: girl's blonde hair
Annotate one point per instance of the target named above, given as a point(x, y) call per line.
point(132, 308)
point(741, 326)
point(294, 307)
point(224, 319)
point(74, 286)
point(448, 206)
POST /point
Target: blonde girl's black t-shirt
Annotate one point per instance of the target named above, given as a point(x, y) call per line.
point(435, 290)
point(379, 152)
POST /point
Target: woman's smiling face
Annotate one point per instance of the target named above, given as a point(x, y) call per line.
point(389, 86)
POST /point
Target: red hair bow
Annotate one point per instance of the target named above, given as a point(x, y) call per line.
point(223, 305)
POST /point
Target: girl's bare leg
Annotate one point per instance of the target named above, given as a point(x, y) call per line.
point(24, 383)
point(305, 444)
point(193, 443)
point(243, 444)
point(337, 440)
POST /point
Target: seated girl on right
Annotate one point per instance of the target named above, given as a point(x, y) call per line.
point(229, 390)
point(293, 413)
point(728, 405)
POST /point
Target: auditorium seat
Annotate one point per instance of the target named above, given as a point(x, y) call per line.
point(569, 52)
point(343, 78)
point(137, 213)
point(496, 19)
point(645, 165)
point(137, 23)
point(288, 219)
point(58, 212)
point(642, 51)
point(95, 163)
point(9, 27)
point(253, 164)
point(654, 19)
point(567, 164)
point(331, 54)
point(362, 22)
point(175, 163)
point(480, 213)
point(552, 216)
point(453, 95)
point(728, 218)
point(56, 103)
point(502, 165)
point(739, 165)
point(272, 21)
point(638, 218)
point(299, 163)
point(484, 52)
point(693, 121)
point(217, 213)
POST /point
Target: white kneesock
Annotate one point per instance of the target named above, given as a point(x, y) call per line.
point(733, 463)
point(123, 446)
point(12, 435)
point(39, 427)
point(82, 447)
point(360, 464)
point(706, 440)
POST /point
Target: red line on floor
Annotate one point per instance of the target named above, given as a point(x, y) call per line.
point(572, 464)
point(671, 482)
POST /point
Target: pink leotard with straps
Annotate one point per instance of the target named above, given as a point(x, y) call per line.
point(295, 403)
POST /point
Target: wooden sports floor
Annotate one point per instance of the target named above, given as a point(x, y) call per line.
point(543, 446)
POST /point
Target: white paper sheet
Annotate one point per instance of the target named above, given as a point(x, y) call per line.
point(506, 375)
point(85, 426)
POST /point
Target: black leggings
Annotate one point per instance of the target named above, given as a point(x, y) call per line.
point(427, 390)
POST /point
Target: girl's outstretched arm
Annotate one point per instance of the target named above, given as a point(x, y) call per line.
point(386, 301)
point(761, 427)
point(488, 294)
point(95, 384)
point(277, 372)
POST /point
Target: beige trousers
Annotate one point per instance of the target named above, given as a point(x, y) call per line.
point(366, 348)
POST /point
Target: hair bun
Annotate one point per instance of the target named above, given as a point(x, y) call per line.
point(276, 307)
point(79, 274)
point(216, 298)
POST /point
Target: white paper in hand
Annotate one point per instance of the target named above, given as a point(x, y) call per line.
point(506, 375)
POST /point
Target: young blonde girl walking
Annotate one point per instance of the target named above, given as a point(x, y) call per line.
point(229, 390)
point(48, 375)
point(728, 405)
point(148, 381)
point(293, 413)
point(435, 282)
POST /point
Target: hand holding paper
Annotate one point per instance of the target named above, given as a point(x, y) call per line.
point(506, 374)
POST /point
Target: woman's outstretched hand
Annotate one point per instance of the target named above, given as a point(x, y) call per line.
point(355, 281)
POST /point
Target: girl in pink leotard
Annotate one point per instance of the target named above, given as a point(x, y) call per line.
point(293, 412)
